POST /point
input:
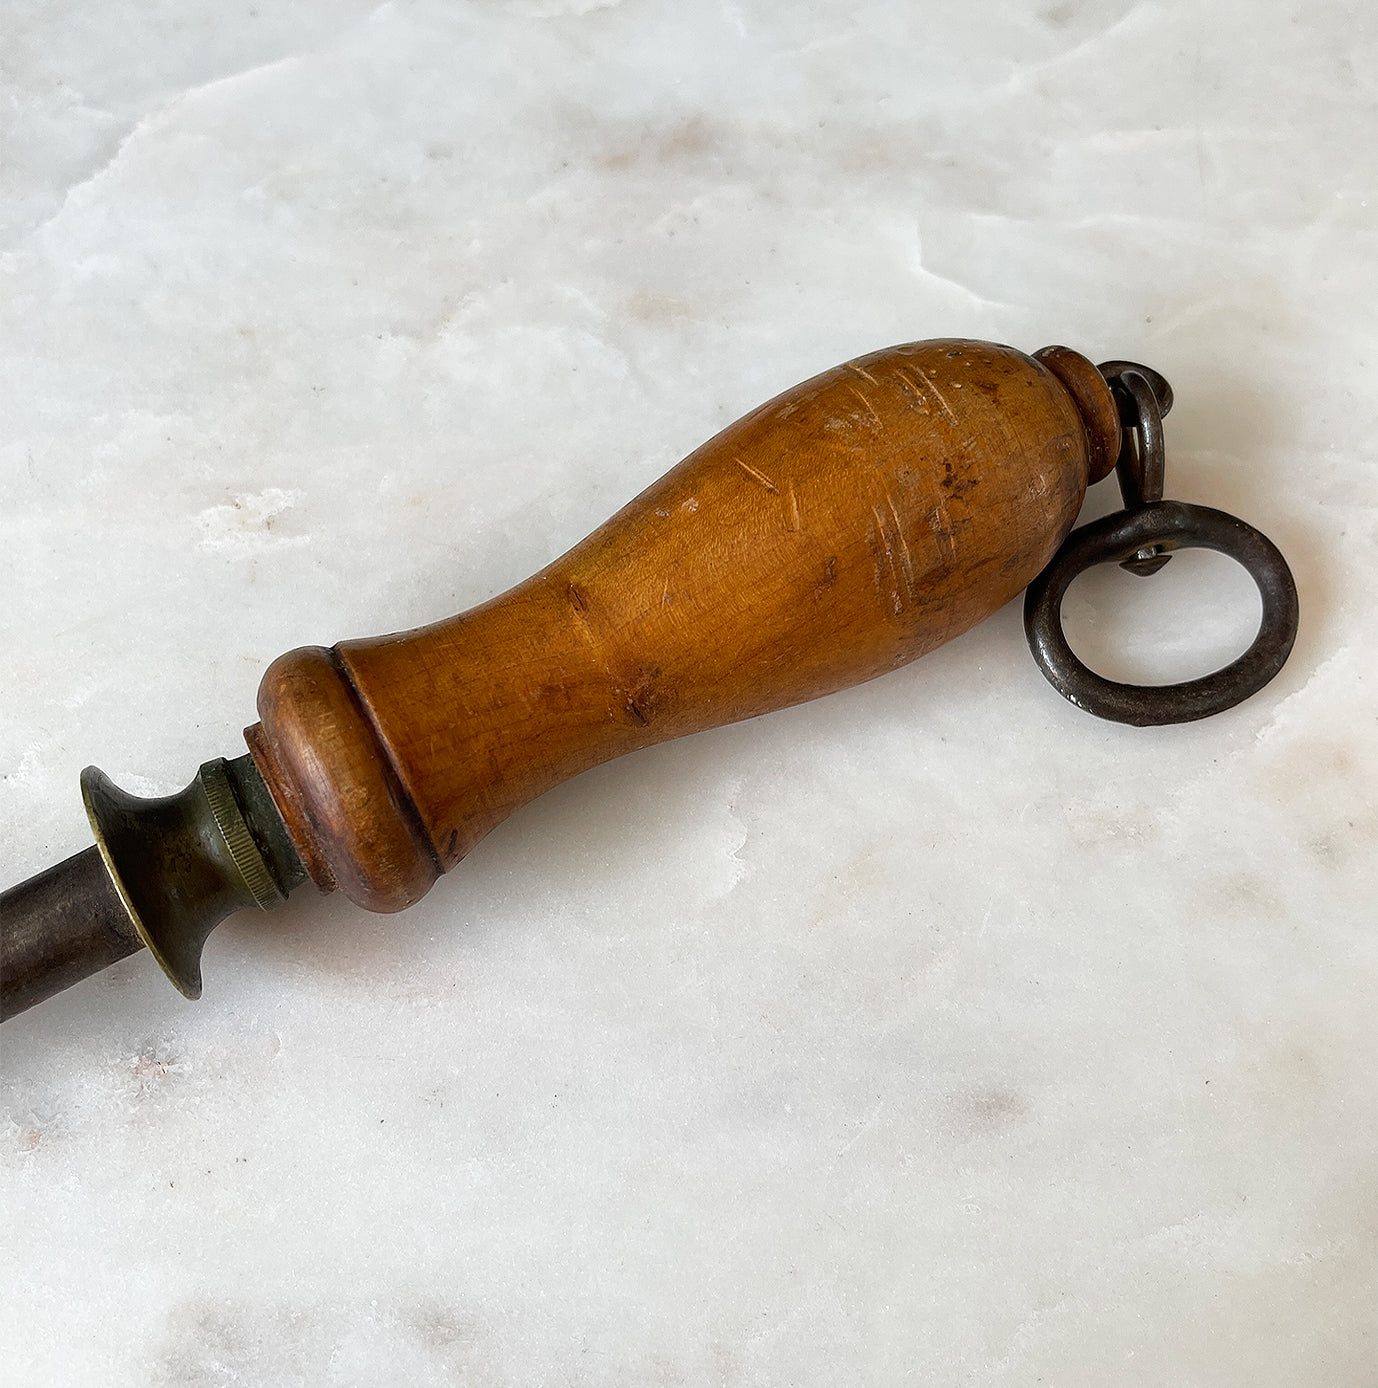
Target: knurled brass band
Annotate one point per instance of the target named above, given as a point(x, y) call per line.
point(243, 850)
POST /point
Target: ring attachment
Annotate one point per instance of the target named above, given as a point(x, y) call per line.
point(1143, 397)
point(1159, 527)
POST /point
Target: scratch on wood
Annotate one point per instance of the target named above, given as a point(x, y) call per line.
point(937, 394)
point(756, 476)
point(829, 577)
point(888, 545)
point(869, 406)
point(911, 385)
point(942, 530)
point(882, 530)
point(906, 559)
point(793, 509)
point(577, 600)
point(862, 372)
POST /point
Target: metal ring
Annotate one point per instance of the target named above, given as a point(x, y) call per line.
point(1143, 397)
point(1143, 456)
point(1171, 525)
point(1162, 391)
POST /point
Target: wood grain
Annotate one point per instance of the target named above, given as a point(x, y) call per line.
point(835, 533)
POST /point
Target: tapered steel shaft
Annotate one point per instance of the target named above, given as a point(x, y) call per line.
point(57, 928)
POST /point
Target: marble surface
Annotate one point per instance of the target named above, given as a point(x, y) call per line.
point(934, 1032)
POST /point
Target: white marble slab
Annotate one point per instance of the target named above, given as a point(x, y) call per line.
point(934, 1032)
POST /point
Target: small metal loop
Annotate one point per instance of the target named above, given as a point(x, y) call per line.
point(1143, 459)
point(1162, 391)
point(1143, 397)
point(1167, 525)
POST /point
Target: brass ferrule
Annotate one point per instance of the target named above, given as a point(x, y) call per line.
point(182, 863)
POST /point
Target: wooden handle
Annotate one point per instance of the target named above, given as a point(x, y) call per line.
point(844, 528)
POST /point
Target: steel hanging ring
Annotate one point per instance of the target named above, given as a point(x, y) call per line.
point(1158, 384)
point(1143, 397)
point(1159, 527)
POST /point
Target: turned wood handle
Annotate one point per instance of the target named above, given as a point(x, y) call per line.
point(842, 529)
